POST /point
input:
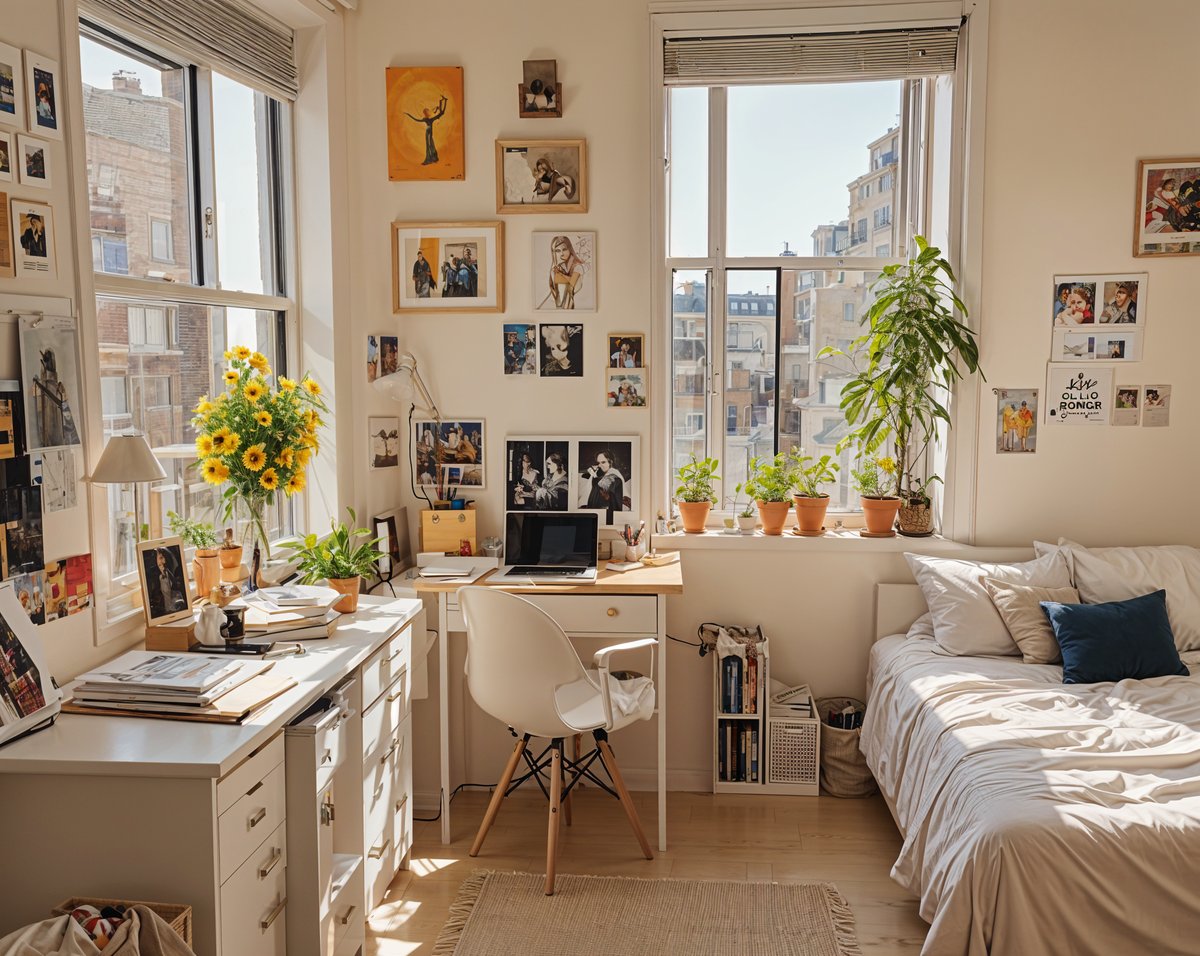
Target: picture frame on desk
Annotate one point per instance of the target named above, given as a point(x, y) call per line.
point(166, 596)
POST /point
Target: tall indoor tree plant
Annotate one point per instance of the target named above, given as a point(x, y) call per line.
point(913, 351)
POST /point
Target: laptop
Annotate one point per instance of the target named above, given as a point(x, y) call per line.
point(550, 548)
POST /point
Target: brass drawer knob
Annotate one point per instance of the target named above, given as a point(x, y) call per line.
point(612, 612)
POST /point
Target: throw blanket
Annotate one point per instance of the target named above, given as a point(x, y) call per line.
point(143, 933)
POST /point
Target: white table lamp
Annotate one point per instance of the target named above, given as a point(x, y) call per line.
point(127, 459)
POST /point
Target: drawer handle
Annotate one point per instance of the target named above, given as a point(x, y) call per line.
point(346, 918)
point(613, 612)
point(391, 657)
point(273, 915)
point(253, 790)
point(377, 852)
point(327, 757)
point(391, 750)
point(258, 817)
point(265, 870)
point(401, 802)
point(392, 698)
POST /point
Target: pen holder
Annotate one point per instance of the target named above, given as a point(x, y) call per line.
point(635, 552)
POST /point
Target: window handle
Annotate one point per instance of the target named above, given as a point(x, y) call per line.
point(209, 219)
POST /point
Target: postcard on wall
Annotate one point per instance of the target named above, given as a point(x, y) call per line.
point(21, 526)
point(53, 470)
point(425, 123)
point(626, 350)
point(1016, 420)
point(44, 95)
point(520, 348)
point(1078, 395)
point(54, 590)
point(79, 583)
point(452, 451)
point(541, 176)
point(28, 696)
point(448, 266)
point(564, 271)
point(33, 246)
point(1127, 406)
point(626, 388)
point(1167, 220)
point(1156, 406)
point(1097, 344)
point(33, 162)
point(561, 351)
point(383, 435)
point(372, 358)
point(12, 88)
point(31, 592)
point(8, 154)
point(50, 376)
point(7, 264)
point(537, 474)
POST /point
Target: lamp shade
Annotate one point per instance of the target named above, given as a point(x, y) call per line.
point(127, 458)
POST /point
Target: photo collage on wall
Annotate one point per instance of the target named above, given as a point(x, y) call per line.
point(451, 455)
point(558, 473)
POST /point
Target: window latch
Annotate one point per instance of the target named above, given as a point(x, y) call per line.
point(208, 222)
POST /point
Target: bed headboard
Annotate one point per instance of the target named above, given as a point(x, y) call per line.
point(896, 607)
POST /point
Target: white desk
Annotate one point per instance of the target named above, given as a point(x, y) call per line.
point(619, 606)
point(168, 811)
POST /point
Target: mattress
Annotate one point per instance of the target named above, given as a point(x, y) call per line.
point(1039, 817)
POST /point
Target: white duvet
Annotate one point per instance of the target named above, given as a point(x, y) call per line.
point(1039, 817)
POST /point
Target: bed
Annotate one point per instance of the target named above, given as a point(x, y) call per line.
point(1037, 817)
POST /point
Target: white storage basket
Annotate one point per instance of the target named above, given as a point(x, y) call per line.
point(794, 752)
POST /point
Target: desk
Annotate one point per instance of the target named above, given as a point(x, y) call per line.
point(618, 606)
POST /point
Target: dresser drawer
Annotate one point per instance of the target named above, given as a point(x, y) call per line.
point(245, 825)
point(401, 827)
point(382, 667)
point(600, 614)
point(377, 867)
point(242, 778)
point(316, 746)
point(383, 777)
point(253, 902)
point(380, 720)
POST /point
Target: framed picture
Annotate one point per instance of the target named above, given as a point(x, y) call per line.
point(541, 175)
point(580, 473)
point(626, 350)
point(33, 240)
point(561, 351)
point(539, 96)
point(607, 470)
point(626, 388)
point(564, 271)
point(537, 474)
point(44, 99)
point(383, 435)
point(8, 152)
point(395, 547)
point(450, 453)
point(1167, 218)
point(448, 266)
point(1016, 420)
point(12, 88)
point(520, 348)
point(33, 161)
point(425, 123)
point(8, 266)
point(50, 381)
point(165, 592)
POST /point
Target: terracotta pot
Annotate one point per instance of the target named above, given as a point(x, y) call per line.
point(231, 557)
point(694, 515)
point(206, 570)
point(773, 514)
point(916, 517)
point(881, 515)
point(746, 523)
point(810, 514)
point(348, 587)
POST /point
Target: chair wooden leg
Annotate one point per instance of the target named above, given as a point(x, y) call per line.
point(552, 826)
point(498, 796)
point(610, 764)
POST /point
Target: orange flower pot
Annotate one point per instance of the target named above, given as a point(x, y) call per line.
point(694, 515)
point(773, 514)
point(810, 515)
point(348, 587)
point(206, 570)
point(880, 514)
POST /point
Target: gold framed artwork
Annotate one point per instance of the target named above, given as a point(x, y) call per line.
point(425, 125)
point(541, 175)
point(1167, 217)
point(448, 266)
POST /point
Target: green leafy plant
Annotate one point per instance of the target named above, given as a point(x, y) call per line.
point(339, 555)
point(874, 477)
point(195, 534)
point(809, 473)
point(768, 480)
point(696, 479)
point(905, 362)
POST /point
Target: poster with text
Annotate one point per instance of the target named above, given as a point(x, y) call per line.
point(1079, 395)
point(1016, 420)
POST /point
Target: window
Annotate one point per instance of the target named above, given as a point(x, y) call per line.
point(172, 148)
point(867, 124)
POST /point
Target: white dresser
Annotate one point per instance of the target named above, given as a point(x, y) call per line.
point(280, 842)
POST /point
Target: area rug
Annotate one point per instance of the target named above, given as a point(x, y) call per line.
point(623, 916)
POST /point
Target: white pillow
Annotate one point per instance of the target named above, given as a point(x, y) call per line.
point(965, 621)
point(1117, 574)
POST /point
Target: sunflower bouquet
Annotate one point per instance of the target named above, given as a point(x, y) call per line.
point(254, 439)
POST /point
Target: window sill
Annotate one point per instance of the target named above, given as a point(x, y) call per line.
point(843, 541)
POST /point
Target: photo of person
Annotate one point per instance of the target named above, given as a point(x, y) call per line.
point(1120, 303)
point(1127, 397)
point(561, 351)
point(21, 513)
point(564, 271)
point(542, 174)
point(1112, 349)
point(164, 584)
point(626, 389)
point(389, 354)
point(6, 149)
point(520, 349)
point(448, 267)
point(33, 235)
point(1077, 308)
point(452, 443)
point(372, 358)
point(31, 593)
point(20, 681)
point(384, 436)
point(1156, 406)
point(10, 74)
point(51, 379)
point(540, 92)
point(459, 270)
point(33, 231)
point(538, 476)
point(35, 167)
point(1016, 419)
point(605, 479)
point(625, 350)
point(1127, 410)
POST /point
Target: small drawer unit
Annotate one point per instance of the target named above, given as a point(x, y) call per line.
point(257, 811)
point(254, 902)
point(794, 753)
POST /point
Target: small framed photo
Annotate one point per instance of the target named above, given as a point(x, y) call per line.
point(561, 351)
point(44, 99)
point(33, 160)
point(626, 350)
point(541, 175)
point(1167, 217)
point(539, 95)
point(564, 271)
point(33, 245)
point(384, 437)
point(8, 153)
point(626, 388)
point(12, 88)
point(448, 266)
point(165, 592)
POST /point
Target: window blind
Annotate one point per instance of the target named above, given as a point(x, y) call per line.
point(225, 34)
point(813, 57)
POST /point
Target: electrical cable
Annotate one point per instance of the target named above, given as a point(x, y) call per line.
point(454, 793)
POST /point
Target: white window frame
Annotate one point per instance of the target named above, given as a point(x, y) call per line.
point(169, 258)
point(963, 245)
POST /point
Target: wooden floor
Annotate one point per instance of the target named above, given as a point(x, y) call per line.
point(851, 843)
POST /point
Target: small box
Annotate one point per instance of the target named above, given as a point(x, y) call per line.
point(444, 531)
point(176, 636)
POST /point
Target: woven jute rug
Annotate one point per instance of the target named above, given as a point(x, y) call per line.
point(622, 916)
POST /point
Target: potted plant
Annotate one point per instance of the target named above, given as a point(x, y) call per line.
point(206, 563)
point(808, 474)
point(338, 558)
point(906, 362)
point(875, 480)
point(230, 552)
point(746, 519)
point(769, 483)
point(916, 513)
point(695, 494)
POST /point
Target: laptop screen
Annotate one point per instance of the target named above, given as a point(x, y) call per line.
point(550, 539)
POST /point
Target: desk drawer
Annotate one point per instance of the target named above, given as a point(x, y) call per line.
point(385, 664)
point(255, 895)
point(380, 720)
point(600, 614)
point(250, 771)
point(385, 775)
point(246, 824)
point(378, 868)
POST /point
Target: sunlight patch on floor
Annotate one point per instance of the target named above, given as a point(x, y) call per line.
point(426, 866)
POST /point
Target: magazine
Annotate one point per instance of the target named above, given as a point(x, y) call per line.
point(28, 694)
point(180, 672)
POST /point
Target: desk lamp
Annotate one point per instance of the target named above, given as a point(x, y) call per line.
point(405, 385)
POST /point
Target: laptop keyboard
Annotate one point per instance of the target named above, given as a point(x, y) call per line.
point(563, 571)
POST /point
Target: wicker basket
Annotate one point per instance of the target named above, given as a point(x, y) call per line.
point(177, 915)
point(844, 771)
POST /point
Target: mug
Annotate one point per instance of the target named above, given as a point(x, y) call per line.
point(635, 552)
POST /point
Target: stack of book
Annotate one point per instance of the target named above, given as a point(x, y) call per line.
point(157, 683)
point(294, 612)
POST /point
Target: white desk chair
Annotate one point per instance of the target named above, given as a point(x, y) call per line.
point(522, 669)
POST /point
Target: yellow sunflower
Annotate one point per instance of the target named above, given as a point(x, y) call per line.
point(302, 457)
point(254, 390)
point(263, 418)
point(240, 351)
point(309, 440)
point(286, 384)
point(254, 457)
point(228, 355)
point(214, 471)
point(204, 445)
point(204, 406)
point(220, 440)
point(887, 465)
point(295, 483)
point(269, 479)
point(231, 378)
point(285, 458)
point(311, 387)
point(259, 363)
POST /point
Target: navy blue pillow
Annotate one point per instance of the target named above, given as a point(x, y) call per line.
point(1120, 640)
